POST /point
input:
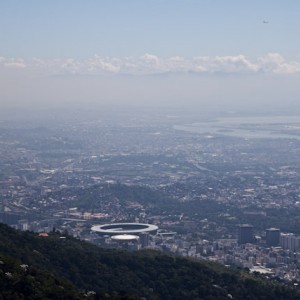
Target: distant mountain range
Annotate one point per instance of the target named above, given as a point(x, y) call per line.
point(62, 267)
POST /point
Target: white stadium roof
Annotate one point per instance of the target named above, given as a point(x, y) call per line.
point(124, 228)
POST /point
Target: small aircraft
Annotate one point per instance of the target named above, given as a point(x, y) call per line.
point(265, 22)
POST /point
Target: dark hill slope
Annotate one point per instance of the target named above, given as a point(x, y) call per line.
point(149, 274)
point(20, 281)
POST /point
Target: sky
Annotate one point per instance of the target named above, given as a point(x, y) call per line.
point(218, 53)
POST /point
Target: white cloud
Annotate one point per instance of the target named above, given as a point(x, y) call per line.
point(233, 64)
point(150, 59)
point(71, 65)
point(18, 63)
point(272, 63)
point(275, 63)
point(98, 63)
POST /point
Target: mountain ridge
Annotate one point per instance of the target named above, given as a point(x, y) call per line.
point(73, 269)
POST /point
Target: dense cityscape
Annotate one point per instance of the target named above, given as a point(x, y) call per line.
point(217, 190)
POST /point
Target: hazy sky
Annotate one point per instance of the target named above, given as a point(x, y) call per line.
point(209, 52)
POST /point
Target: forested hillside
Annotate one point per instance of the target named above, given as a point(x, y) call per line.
point(34, 267)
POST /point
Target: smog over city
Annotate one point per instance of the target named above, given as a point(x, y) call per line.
point(175, 122)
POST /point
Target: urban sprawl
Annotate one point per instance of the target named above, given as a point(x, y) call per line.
point(223, 191)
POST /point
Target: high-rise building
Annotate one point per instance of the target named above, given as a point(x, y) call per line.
point(272, 237)
point(290, 241)
point(144, 239)
point(245, 234)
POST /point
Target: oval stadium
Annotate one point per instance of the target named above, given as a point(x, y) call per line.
point(124, 228)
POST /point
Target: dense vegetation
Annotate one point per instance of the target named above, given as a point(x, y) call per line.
point(20, 281)
point(56, 265)
point(144, 195)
